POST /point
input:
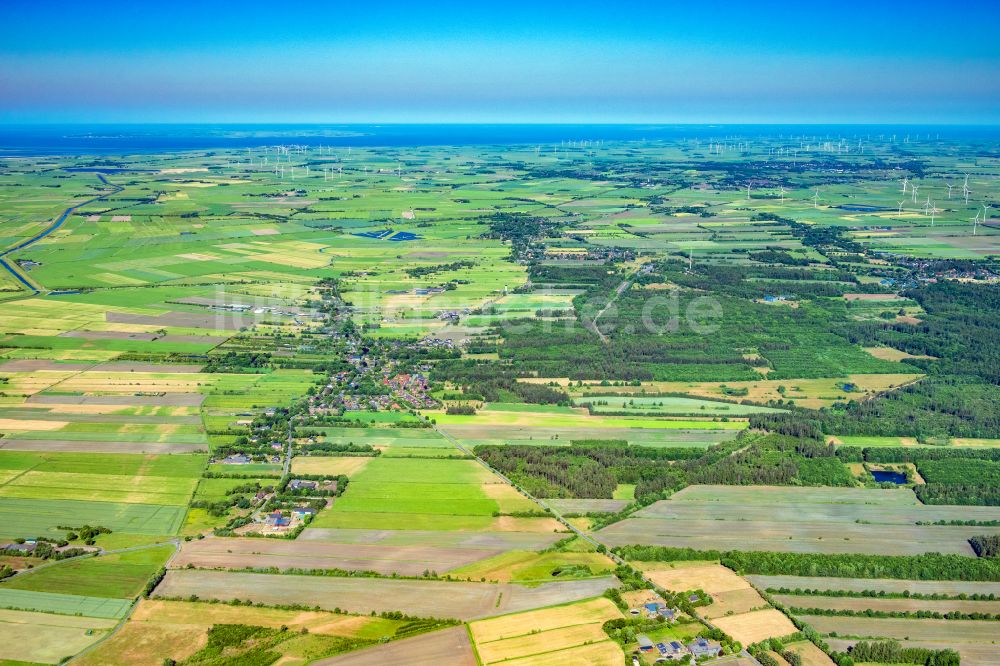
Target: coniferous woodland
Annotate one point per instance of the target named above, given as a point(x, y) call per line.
point(594, 469)
point(892, 652)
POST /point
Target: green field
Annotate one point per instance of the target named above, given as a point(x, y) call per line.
point(41, 517)
point(62, 604)
point(113, 576)
point(702, 328)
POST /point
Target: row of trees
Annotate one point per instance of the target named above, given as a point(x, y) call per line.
point(929, 566)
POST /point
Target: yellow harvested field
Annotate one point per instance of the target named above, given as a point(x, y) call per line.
point(730, 593)
point(733, 601)
point(606, 653)
point(711, 577)
point(594, 611)
point(811, 655)
point(540, 642)
point(507, 497)
point(329, 465)
point(890, 354)
point(570, 634)
point(516, 524)
point(752, 627)
point(8, 425)
point(812, 393)
point(178, 629)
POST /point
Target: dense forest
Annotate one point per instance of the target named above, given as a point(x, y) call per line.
point(891, 652)
point(593, 470)
point(953, 475)
point(494, 382)
point(986, 545)
point(960, 397)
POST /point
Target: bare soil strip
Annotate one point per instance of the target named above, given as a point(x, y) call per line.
point(465, 601)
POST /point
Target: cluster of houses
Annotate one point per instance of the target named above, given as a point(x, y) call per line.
point(664, 651)
point(699, 648)
point(412, 389)
point(278, 521)
point(245, 459)
point(403, 390)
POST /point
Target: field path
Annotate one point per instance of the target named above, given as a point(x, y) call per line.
point(619, 290)
point(135, 602)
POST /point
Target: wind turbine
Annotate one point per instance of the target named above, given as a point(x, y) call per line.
point(934, 210)
point(949, 189)
point(985, 207)
point(913, 190)
point(816, 199)
point(782, 194)
point(975, 223)
point(900, 211)
point(748, 191)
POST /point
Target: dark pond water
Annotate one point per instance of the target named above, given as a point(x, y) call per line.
point(889, 477)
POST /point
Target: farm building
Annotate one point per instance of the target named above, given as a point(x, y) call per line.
point(644, 643)
point(669, 614)
point(236, 459)
point(299, 484)
point(704, 648)
point(277, 520)
point(672, 650)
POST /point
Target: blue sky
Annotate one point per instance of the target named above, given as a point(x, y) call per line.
point(698, 62)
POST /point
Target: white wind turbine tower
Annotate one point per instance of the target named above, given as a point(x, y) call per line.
point(782, 193)
point(905, 181)
point(985, 208)
point(900, 211)
point(748, 191)
point(949, 189)
point(816, 199)
point(975, 223)
point(913, 190)
point(934, 210)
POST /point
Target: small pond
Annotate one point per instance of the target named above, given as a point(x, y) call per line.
point(889, 477)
